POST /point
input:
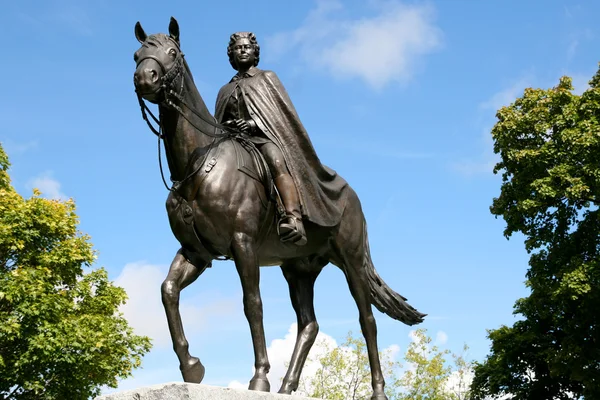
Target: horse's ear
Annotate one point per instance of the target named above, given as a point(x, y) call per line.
point(174, 29)
point(139, 33)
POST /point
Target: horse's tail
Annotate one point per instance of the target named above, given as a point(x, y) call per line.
point(383, 297)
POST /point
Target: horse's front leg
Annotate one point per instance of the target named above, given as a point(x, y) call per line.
point(181, 274)
point(246, 263)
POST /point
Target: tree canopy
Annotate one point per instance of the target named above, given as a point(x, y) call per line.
point(344, 374)
point(549, 146)
point(61, 335)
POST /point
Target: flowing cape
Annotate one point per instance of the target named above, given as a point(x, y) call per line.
point(319, 187)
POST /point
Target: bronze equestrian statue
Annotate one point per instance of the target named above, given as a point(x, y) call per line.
point(223, 202)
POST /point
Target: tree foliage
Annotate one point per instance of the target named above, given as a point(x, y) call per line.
point(344, 374)
point(430, 375)
point(61, 336)
point(549, 145)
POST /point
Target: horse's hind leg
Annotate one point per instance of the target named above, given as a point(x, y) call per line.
point(301, 281)
point(350, 255)
point(181, 274)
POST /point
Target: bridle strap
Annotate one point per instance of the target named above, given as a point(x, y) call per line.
point(153, 57)
point(228, 131)
point(145, 108)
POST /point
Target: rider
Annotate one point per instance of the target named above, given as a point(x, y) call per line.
point(256, 103)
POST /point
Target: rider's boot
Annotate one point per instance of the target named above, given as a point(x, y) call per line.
point(291, 227)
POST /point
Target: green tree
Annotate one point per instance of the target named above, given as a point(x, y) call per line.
point(61, 335)
point(549, 144)
point(429, 375)
point(459, 382)
point(428, 372)
point(344, 374)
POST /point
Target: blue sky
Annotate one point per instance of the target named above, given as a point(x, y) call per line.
point(398, 97)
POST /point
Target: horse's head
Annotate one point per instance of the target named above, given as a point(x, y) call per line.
point(159, 62)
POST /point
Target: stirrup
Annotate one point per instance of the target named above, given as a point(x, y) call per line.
point(292, 228)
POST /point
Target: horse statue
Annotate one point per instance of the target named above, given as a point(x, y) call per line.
point(221, 204)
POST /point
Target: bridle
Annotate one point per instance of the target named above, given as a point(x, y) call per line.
point(175, 100)
point(167, 81)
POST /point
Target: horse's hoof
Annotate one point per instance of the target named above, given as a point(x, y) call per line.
point(379, 397)
point(286, 389)
point(261, 385)
point(193, 371)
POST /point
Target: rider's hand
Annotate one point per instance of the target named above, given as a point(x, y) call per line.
point(242, 125)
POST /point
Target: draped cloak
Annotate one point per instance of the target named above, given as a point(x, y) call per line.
point(319, 187)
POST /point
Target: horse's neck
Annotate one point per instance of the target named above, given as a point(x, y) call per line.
point(182, 138)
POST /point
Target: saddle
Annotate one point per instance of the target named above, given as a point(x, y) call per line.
point(249, 161)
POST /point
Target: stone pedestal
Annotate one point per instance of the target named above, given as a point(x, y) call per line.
point(191, 391)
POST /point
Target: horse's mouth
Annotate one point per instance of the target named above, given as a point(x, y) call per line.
point(153, 96)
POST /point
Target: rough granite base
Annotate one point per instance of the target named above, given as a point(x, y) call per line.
point(191, 391)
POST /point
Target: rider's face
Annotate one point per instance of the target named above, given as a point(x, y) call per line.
point(243, 54)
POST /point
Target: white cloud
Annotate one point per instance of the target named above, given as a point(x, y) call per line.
point(49, 186)
point(280, 353)
point(575, 38)
point(393, 351)
point(144, 377)
point(237, 385)
point(507, 95)
point(572, 48)
point(486, 160)
point(459, 382)
point(413, 336)
point(441, 338)
point(477, 167)
point(11, 147)
point(144, 309)
point(422, 348)
point(382, 49)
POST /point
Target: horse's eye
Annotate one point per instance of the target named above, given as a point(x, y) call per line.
point(172, 52)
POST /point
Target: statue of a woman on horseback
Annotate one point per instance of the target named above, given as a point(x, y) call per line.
point(256, 103)
point(216, 209)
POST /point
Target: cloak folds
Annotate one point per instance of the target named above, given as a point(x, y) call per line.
point(268, 104)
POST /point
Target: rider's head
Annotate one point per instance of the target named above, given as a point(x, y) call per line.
point(235, 40)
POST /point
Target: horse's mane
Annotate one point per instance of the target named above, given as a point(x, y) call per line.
point(187, 70)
